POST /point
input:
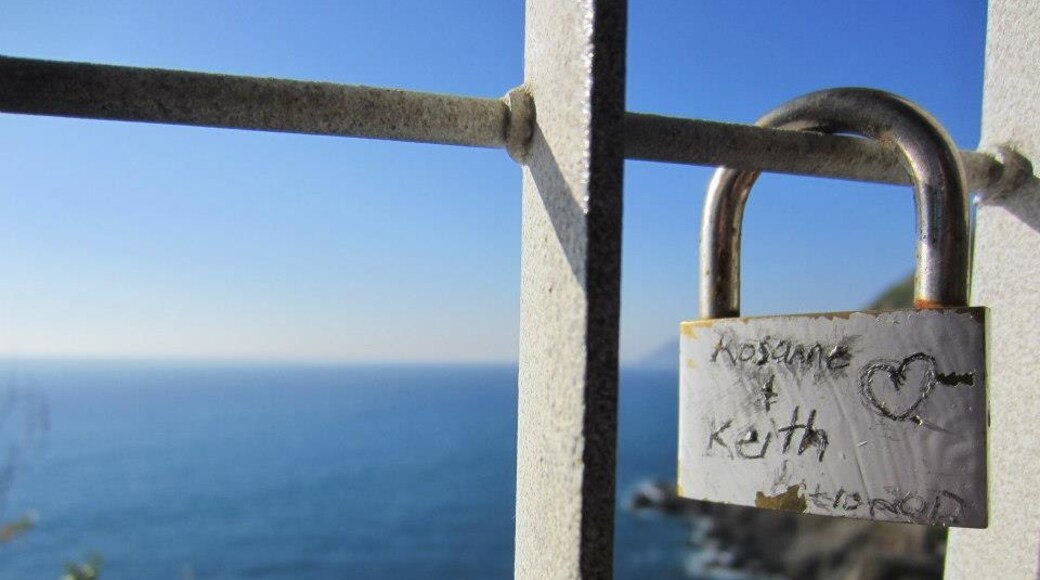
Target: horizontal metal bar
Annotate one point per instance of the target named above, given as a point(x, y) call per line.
point(93, 91)
point(712, 143)
point(69, 89)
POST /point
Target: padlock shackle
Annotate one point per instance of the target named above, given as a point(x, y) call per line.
point(925, 151)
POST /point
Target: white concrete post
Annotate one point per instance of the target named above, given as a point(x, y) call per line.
point(1006, 278)
point(570, 284)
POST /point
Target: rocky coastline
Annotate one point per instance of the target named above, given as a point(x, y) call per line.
point(736, 542)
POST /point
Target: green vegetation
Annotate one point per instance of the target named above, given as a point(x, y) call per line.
point(90, 570)
point(12, 530)
point(899, 295)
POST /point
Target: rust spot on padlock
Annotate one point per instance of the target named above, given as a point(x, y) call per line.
point(688, 329)
point(789, 501)
point(923, 303)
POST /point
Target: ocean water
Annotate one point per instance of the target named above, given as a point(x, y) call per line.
point(267, 471)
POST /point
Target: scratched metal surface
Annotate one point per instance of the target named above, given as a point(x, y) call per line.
point(866, 415)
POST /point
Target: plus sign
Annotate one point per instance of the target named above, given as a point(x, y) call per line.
point(768, 393)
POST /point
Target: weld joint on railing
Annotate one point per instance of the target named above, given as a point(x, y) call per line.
point(1009, 171)
point(519, 122)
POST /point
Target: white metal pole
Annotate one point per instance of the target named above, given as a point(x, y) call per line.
point(569, 290)
point(1006, 278)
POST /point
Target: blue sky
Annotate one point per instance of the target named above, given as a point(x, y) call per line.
point(147, 241)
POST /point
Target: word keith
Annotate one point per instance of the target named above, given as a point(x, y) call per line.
point(748, 442)
point(784, 352)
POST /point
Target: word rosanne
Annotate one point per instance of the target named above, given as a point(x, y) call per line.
point(782, 351)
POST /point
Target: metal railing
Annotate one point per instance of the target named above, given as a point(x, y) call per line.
point(96, 91)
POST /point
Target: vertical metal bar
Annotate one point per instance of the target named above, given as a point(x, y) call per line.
point(1005, 278)
point(570, 268)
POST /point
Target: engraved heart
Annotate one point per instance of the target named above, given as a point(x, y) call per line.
point(916, 369)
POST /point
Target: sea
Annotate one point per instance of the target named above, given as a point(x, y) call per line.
point(214, 470)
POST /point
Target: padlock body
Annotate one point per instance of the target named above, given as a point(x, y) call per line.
point(872, 415)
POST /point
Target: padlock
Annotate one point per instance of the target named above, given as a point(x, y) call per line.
point(873, 415)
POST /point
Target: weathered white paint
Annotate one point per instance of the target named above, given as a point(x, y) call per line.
point(866, 415)
point(1006, 278)
point(570, 285)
